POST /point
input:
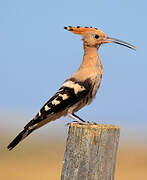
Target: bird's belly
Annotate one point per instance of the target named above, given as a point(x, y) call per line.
point(86, 100)
point(89, 97)
point(95, 88)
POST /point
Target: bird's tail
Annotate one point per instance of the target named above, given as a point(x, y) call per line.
point(23, 134)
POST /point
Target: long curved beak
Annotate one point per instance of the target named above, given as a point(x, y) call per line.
point(123, 43)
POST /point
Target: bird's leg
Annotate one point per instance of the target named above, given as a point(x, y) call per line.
point(76, 118)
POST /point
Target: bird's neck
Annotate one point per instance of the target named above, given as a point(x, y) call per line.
point(91, 58)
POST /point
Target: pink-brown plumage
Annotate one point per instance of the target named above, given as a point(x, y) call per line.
point(79, 89)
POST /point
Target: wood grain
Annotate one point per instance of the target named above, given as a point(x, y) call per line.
point(90, 152)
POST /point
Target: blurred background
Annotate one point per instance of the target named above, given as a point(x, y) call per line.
point(37, 55)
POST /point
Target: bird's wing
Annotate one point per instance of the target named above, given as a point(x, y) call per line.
point(71, 92)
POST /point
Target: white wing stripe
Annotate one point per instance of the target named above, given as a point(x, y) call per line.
point(77, 88)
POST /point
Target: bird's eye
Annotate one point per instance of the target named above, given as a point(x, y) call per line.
point(96, 36)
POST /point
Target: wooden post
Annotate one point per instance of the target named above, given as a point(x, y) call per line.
point(90, 152)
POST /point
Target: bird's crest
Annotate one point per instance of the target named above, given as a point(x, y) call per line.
point(82, 30)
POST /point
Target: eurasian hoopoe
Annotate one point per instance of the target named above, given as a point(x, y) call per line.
point(79, 89)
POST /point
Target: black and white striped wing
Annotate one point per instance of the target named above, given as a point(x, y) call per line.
point(69, 94)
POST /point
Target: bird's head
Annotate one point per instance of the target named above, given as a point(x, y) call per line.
point(94, 37)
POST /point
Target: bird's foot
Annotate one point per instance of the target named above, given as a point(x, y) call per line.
point(79, 122)
point(93, 123)
point(82, 123)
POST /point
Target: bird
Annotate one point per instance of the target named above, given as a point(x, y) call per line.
point(79, 89)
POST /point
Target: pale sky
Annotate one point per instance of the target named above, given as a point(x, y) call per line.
point(37, 55)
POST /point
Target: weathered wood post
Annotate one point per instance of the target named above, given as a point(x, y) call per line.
point(90, 152)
